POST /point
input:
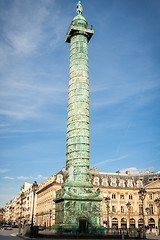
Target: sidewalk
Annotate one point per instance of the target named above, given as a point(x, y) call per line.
point(149, 236)
point(152, 236)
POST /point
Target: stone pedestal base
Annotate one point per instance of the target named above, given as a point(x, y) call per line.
point(77, 211)
point(74, 230)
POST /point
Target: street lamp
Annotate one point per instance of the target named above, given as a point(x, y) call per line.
point(107, 199)
point(50, 214)
point(157, 202)
point(148, 211)
point(21, 201)
point(129, 208)
point(34, 189)
point(142, 194)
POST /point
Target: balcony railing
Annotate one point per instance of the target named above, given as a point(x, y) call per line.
point(89, 26)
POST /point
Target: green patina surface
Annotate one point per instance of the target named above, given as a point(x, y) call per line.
point(78, 199)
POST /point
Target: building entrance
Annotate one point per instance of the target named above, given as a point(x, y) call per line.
point(83, 225)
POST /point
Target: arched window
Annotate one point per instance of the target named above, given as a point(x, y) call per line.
point(121, 184)
point(132, 223)
point(123, 223)
point(105, 183)
point(130, 183)
point(96, 181)
point(114, 223)
point(113, 182)
point(139, 184)
point(60, 179)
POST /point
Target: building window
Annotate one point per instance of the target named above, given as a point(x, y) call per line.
point(130, 196)
point(122, 209)
point(122, 196)
point(96, 181)
point(121, 184)
point(150, 196)
point(113, 196)
point(130, 183)
point(113, 208)
point(60, 179)
point(140, 209)
point(151, 208)
point(113, 183)
point(139, 184)
point(104, 182)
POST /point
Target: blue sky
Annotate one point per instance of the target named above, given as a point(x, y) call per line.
point(124, 76)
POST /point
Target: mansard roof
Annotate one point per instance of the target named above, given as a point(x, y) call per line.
point(146, 178)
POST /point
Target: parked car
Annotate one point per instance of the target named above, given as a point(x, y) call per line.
point(7, 227)
point(15, 226)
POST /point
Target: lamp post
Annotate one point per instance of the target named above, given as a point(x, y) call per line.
point(129, 208)
point(50, 215)
point(34, 189)
point(148, 211)
point(142, 194)
point(157, 202)
point(21, 201)
point(107, 199)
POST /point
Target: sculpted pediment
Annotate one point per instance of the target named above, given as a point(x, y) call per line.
point(154, 184)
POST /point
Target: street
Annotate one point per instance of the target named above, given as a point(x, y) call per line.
point(9, 234)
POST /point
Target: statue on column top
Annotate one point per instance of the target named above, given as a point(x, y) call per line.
point(79, 8)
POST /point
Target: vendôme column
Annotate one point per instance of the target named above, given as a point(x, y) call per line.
point(78, 203)
point(77, 148)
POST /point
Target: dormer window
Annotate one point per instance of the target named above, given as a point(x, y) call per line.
point(139, 184)
point(104, 182)
point(113, 183)
point(121, 184)
point(129, 183)
point(60, 179)
point(96, 181)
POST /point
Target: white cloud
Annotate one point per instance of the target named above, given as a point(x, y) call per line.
point(25, 92)
point(110, 160)
point(132, 170)
point(45, 177)
point(119, 91)
point(10, 178)
point(4, 170)
point(40, 177)
point(24, 178)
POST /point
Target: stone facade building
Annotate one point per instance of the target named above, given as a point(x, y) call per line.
point(45, 213)
point(120, 188)
point(21, 207)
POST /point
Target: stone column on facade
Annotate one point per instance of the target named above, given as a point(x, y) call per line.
point(119, 222)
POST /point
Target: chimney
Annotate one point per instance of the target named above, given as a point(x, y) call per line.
point(147, 170)
point(127, 172)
